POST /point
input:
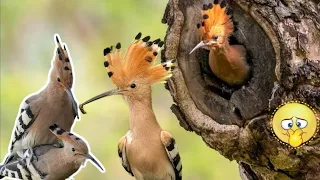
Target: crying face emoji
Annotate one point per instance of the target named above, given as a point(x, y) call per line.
point(294, 123)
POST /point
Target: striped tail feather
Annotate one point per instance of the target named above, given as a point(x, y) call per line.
point(17, 170)
point(173, 153)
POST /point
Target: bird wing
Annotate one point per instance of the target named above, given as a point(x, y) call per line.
point(23, 168)
point(17, 170)
point(26, 116)
point(173, 154)
point(122, 153)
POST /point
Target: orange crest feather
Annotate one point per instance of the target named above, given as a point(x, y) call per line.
point(62, 64)
point(216, 21)
point(138, 62)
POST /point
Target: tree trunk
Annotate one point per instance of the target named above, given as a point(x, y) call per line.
point(282, 38)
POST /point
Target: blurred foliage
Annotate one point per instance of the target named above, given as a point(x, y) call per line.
point(27, 47)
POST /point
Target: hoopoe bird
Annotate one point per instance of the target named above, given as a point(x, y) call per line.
point(146, 151)
point(50, 162)
point(53, 104)
point(227, 62)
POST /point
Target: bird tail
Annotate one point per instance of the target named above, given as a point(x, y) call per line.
point(173, 153)
point(217, 19)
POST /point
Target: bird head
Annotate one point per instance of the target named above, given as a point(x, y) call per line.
point(61, 73)
point(134, 71)
point(216, 25)
point(74, 146)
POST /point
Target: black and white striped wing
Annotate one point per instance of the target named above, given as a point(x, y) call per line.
point(17, 170)
point(173, 153)
point(122, 152)
point(22, 169)
point(27, 115)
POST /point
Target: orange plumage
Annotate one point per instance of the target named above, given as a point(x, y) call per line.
point(137, 63)
point(227, 62)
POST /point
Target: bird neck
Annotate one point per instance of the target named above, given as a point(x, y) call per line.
point(143, 122)
point(55, 93)
point(223, 51)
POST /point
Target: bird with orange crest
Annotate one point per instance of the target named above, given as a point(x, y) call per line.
point(146, 151)
point(227, 62)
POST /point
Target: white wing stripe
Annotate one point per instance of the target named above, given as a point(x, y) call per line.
point(174, 152)
point(25, 118)
point(23, 171)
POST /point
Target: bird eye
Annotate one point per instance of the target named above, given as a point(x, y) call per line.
point(73, 150)
point(133, 85)
point(301, 123)
point(58, 79)
point(215, 37)
point(286, 124)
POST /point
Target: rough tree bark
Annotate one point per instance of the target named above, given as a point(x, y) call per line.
point(282, 38)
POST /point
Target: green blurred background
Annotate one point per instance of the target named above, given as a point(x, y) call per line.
point(27, 45)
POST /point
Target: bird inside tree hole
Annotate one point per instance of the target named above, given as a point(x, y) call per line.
point(227, 104)
point(217, 85)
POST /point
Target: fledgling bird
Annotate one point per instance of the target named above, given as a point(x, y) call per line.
point(146, 151)
point(227, 62)
point(53, 104)
point(49, 162)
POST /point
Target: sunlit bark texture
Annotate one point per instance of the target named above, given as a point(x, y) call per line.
point(282, 38)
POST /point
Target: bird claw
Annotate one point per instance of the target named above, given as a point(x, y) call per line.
point(81, 109)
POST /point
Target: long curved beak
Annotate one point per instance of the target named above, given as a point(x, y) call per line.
point(201, 44)
point(94, 161)
point(74, 103)
point(105, 94)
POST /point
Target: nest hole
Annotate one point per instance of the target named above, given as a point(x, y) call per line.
point(215, 84)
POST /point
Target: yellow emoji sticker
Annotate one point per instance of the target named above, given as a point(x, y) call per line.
point(294, 123)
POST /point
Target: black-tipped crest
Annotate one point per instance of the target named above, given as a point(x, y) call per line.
point(106, 51)
point(223, 4)
point(139, 60)
point(205, 7)
point(57, 39)
point(161, 44)
point(61, 73)
point(138, 36)
point(118, 46)
point(145, 39)
point(215, 21)
point(110, 74)
point(59, 53)
point(156, 41)
point(106, 64)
